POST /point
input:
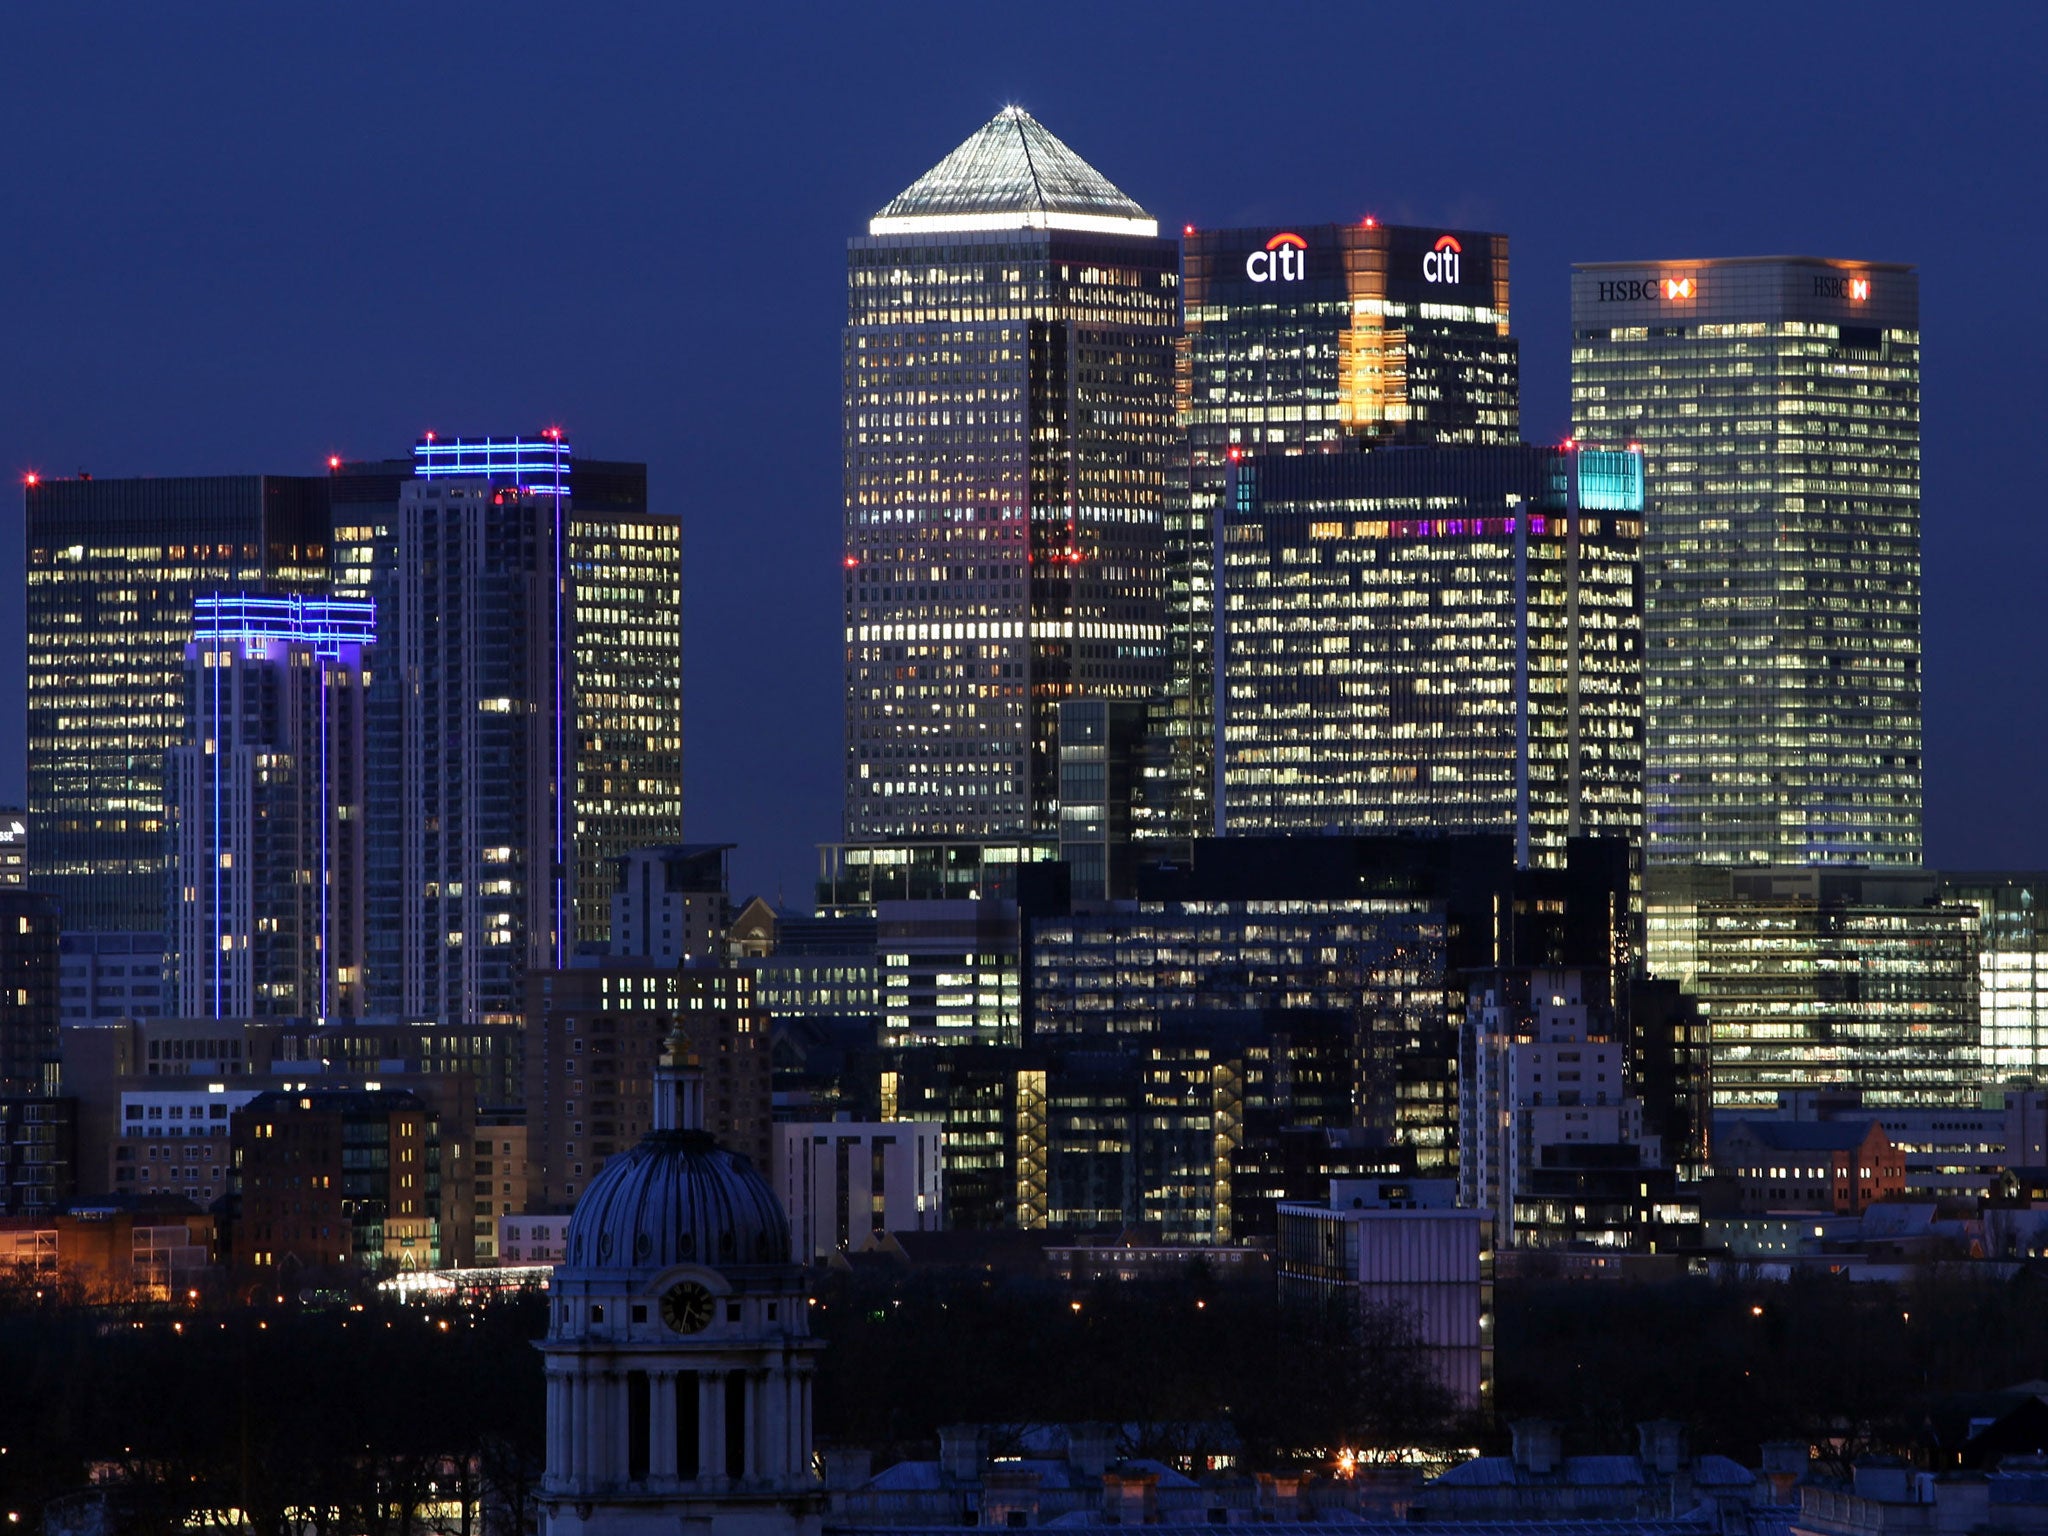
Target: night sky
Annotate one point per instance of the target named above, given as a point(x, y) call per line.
point(243, 237)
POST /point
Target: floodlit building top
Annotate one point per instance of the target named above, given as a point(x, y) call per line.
point(1012, 174)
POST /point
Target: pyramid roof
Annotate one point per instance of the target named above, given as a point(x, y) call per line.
point(1012, 173)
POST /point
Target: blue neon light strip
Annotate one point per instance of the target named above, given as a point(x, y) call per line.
point(325, 623)
point(540, 464)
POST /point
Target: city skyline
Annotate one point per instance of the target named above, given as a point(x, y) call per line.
point(714, 354)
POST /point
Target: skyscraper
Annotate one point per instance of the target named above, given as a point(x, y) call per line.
point(114, 567)
point(525, 709)
point(1777, 401)
point(1313, 339)
point(1009, 431)
point(1445, 638)
point(266, 809)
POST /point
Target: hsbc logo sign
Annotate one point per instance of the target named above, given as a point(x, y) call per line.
point(1441, 262)
point(1647, 290)
point(1855, 289)
point(1284, 260)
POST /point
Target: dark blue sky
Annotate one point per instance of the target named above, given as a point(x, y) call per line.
point(241, 237)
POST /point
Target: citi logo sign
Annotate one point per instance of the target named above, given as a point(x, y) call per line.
point(1440, 263)
point(1284, 260)
point(1855, 289)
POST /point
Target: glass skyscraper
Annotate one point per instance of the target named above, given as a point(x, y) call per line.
point(1840, 979)
point(266, 807)
point(1777, 402)
point(114, 567)
point(1009, 433)
point(525, 709)
point(1314, 338)
point(1433, 638)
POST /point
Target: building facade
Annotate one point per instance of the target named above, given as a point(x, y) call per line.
point(1777, 402)
point(1102, 756)
point(843, 1184)
point(671, 904)
point(1400, 1244)
point(1840, 980)
point(30, 978)
point(114, 567)
point(1444, 638)
point(1838, 1167)
point(2012, 968)
point(1552, 1143)
point(328, 1179)
point(593, 1038)
point(525, 710)
point(1313, 339)
point(265, 800)
point(110, 976)
point(1009, 435)
point(1377, 968)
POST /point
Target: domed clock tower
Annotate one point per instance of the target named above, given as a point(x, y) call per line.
point(679, 1356)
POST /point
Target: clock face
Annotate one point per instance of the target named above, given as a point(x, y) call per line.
point(687, 1307)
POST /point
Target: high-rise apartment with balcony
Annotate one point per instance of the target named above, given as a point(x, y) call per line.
point(265, 801)
point(1433, 638)
point(114, 567)
point(1314, 338)
point(1009, 432)
point(525, 709)
point(1777, 402)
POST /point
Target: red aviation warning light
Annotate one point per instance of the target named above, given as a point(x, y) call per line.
point(334, 461)
point(31, 478)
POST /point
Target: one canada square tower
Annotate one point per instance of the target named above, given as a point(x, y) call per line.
point(1009, 432)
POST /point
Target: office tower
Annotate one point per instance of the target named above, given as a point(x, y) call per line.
point(30, 973)
point(1269, 932)
point(1777, 402)
point(113, 569)
point(1101, 757)
point(1312, 339)
point(1009, 429)
point(1552, 1145)
point(2012, 968)
point(671, 904)
point(1441, 638)
point(1825, 979)
point(264, 799)
point(525, 709)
